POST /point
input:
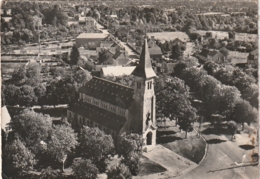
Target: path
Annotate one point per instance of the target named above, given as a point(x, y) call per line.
point(222, 156)
point(174, 163)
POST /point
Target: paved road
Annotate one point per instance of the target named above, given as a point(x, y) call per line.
point(220, 157)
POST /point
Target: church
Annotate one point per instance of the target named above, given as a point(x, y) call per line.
point(117, 109)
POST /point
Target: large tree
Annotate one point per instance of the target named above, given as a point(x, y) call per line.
point(63, 142)
point(83, 168)
point(131, 150)
point(120, 171)
point(17, 158)
point(32, 128)
point(243, 112)
point(74, 56)
point(173, 97)
point(95, 145)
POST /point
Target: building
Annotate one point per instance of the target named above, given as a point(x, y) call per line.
point(121, 57)
point(252, 58)
point(126, 18)
point(90, 40)
point(5, 119)
point(215, 56)
point(154, 50)
point(118, 109)
point(116, 70)
point(90, 22)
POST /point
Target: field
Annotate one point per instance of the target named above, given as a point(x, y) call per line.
point(238, 36)
point(169, 35)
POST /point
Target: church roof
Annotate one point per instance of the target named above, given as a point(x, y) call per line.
point(99, 115)
point(109, 92)
point(144, 68)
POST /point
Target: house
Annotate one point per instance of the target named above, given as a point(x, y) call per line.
point(126, 18)
point(121, 58)
point(213, 55)
point(90, 40)
point(238, 58)
point(114, 24)
point(116, 70)
point(5, 118)
point(90, 22)
point(154, 50)
point(118, 109)
point(168, 68)
point(252, 58)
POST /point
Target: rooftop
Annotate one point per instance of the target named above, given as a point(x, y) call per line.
point(113, 93)
point(92, 36)
point(117, 70)
point(99, 115)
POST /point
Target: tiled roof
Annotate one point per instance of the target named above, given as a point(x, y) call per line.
point(99, 115)
point(108, 91)
point(254, 52)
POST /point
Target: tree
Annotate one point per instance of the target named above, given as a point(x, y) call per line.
point(126, 80)
point(18, 75)
point(95, 145)
point(120, 171)
point(33, 74)
point(131, 149)
point(133, 162)
point(74, 56)
point(172, 97)
point(17, 158)
point(11, 94)
point(40, 92)
point(83, 168)
point(243, 112)
point(27, 96)
point(63, 141)
point(32, 128)
point(178, 50)
point(103, 56)
point(49, 173)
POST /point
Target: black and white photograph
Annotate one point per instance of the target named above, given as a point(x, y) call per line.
point(129, 89)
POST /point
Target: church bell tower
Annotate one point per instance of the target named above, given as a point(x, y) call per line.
point(144, 97)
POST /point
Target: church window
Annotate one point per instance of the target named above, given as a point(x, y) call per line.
point(138, 85)
point(149, 85)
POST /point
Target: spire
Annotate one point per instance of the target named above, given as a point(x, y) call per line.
point(144, 68)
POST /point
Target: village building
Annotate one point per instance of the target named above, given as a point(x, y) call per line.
point(90, 40)
point(118, 109)
point(154, 50)
point(213, 55)
point(126, 18)
point(252, 58)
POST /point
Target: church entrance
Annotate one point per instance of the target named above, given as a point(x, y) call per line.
point(149, 138)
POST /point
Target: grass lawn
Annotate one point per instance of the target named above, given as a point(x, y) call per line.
point(192, 148)
point(149, 167)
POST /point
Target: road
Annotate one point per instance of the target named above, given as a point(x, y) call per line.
point(130, 52)
point(220, 162)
